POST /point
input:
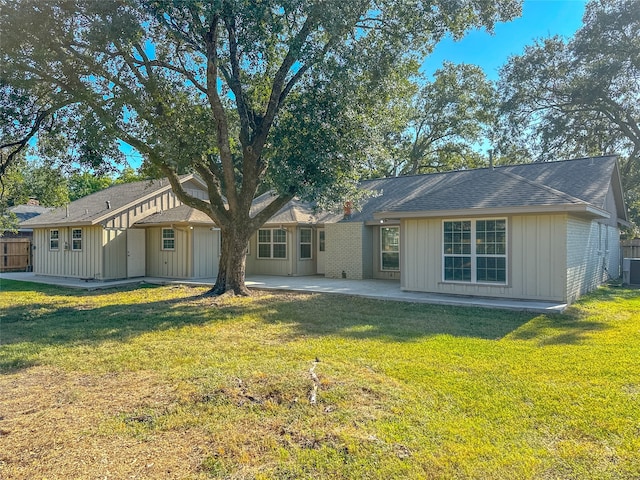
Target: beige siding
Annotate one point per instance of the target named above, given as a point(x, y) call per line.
point(593, 251)
point(144, 208)
point(535, 261)
point(86, 263)
point(274, 266)
point(168, 263)
point(345, 244)
point(115, 254)
point(206, 252)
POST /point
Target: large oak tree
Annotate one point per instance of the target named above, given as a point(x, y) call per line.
point(565, 98)
point(247, 93)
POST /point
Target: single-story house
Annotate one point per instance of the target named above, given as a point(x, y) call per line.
point(540, 231)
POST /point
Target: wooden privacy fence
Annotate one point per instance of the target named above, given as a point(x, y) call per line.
point(630, 248)
point(15, 254)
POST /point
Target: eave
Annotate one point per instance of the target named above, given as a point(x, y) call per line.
point(584, 209)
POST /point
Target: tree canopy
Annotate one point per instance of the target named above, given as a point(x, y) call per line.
point(580, 97)
point(244, 93)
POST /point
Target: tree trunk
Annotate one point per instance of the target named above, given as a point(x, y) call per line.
point(232, 266)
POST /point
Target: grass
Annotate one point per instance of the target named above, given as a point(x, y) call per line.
point(160, 382)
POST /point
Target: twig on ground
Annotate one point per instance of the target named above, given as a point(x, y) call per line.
point(313, 396)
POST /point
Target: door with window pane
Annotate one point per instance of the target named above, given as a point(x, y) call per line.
point(320, 257)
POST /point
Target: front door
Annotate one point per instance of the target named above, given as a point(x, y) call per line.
point(321, 248)
point(136, 252)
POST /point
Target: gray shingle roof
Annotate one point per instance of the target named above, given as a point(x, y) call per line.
point(569, 182)
point(25, 212)
point(88, 210)
point(180, 214)
point(296, 211)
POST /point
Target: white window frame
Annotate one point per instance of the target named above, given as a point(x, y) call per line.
point(76, 242)
point(322, 240)
point(272, 243)
point(172, 239)
point(56, 239)
point(309, 243)
point(382, 251)
point(473, 252)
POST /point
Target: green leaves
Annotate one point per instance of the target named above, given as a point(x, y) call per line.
point(579, 97)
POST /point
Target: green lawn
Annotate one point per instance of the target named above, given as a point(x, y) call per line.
point(406, 390)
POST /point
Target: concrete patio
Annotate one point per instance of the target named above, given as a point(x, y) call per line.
point(377, 289)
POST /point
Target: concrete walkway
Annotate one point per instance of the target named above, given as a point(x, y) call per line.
point(378, 289)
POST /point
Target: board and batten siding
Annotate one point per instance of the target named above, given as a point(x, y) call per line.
point(535, 260)
point(115, 254)
point(174, 263)
point(161, 202)
point(64, 262)
point(206, 252)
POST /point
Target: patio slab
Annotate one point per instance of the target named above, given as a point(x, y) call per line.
point(377, 289)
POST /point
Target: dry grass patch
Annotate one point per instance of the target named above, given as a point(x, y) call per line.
point(51, 427)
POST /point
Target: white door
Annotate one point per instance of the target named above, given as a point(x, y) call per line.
point(206, 252)
point(136, 252)
point(320, 253)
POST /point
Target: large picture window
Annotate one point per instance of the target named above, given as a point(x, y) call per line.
point(272, 243)
point(54, 239)
point(76, 239)
point(475, 251)
point(390, 248)
point(168, 239)
point(306, 235)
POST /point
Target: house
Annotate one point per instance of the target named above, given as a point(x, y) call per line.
point(541, 231)
point(96, 237)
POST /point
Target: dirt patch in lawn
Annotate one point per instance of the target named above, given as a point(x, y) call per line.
point(50, 428)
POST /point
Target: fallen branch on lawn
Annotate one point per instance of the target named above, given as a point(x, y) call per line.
point(313, 397)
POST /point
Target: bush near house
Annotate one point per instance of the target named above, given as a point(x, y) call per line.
point(160, 382)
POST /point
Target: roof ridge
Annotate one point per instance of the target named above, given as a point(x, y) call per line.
point(552, 190)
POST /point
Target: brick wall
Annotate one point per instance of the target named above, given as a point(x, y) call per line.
point(344, 250)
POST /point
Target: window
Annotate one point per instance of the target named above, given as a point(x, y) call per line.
point(168, 239)
point(54, 239)
point(321, 240)
point(272, 243)
point(76, 239)
point(305, 243)
point(481, 261)
point(390, 248)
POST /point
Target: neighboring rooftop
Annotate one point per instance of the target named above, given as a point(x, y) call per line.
point(25, 212)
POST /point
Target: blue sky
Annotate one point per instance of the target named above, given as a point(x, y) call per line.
point(540, 18)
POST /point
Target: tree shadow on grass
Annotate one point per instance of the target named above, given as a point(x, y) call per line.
point(77, 319)
point(356, 317)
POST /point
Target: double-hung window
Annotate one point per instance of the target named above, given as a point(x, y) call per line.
point(168, 239)
point(390, 248)
point(475, 251)
point(54, 239)
point(272, 243)
point(305, 243)
point(76, 239)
